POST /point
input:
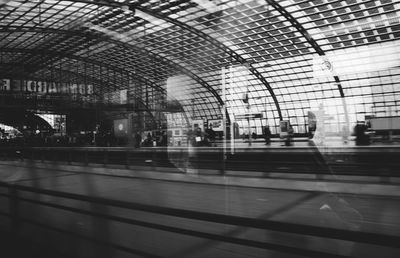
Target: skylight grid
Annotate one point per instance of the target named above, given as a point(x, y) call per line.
point(286, 61)
point(357, 15)
point(225, 20)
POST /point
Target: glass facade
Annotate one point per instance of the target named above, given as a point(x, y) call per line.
point(200, 128)
point(298, 54)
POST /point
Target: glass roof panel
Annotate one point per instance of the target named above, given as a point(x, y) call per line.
point(198, 38)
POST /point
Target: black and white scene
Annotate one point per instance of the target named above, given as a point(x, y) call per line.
point(199, 128)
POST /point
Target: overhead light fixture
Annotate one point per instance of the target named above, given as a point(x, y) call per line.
point(209, 6)
point(148, 17)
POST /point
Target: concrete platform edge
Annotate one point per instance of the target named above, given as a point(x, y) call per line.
point(361, 188)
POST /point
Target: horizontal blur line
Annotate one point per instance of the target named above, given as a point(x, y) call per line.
point(250, 149)
point(363, 237)
point(239, 241)
point(99, 242)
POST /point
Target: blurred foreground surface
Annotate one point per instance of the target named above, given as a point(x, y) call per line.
point(294, 202)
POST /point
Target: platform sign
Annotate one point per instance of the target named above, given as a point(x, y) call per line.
point(217, 125)
point(89, 89)
point(36, 86)
point(51, 87)
point(121, 127)
point(385, 123)
point(284, 128)
point(198, 124)
point(45, 87)
point(312, 121)
point(81, 89)
point(30, 86)
point(17, 85)
point(322, 67)
point(4, 84)
point(74, 89)
point(63, 88)
point(248, 116)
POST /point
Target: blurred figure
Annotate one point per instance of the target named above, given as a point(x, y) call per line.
point(162, 140)
point(289, 137)
point(267, 135)
point(190, 138)
point(198, 137)
point(148, 142)
point(138, 140)
point(210, 133)
point(360, 132)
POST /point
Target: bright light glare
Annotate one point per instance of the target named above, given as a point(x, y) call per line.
point(153, 20)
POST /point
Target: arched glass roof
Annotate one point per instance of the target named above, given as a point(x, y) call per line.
point(289, 57)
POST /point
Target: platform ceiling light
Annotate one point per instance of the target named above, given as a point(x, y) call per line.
point(148, 17)
point(130, 9)
point(208, 5)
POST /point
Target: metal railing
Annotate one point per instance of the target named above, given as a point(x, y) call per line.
point(354, 161)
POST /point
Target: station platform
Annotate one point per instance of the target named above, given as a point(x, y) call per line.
point(181, 202)
point(340, 184)
point(355, 208)
point(333, 141)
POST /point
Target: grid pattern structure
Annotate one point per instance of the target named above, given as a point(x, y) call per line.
point(288, 56)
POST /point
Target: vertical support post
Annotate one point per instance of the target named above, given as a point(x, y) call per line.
point(232, 129)
point(248, 116)
point(223, 109)
point(248, 119)
point(390, 133)
point(247, 67)
point(346, 117)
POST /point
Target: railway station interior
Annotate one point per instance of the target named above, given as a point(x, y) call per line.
point(199, 128)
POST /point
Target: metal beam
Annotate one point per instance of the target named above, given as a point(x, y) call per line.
point(76, 74)
point(232, 54)
point(83, 59)
point(67, 103)
point(305, 34)
point(127, 46)
point(86, 60)
point(213, 41)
